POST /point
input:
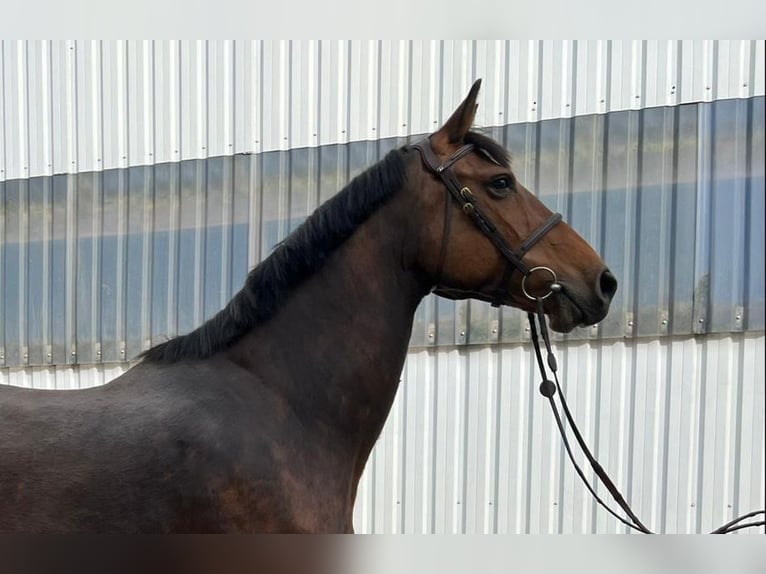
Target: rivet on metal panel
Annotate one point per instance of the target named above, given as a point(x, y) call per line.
point(494, 326)
point(462, 333)
point(701, 320)
point(629, 324)
point(744, 85)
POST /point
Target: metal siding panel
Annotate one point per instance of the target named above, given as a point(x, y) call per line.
point(756, 241)
point(110, 104)
point(38, 94)
point(167, 101)
point(194, 135)
point(115, 104)
point(15, 109)
point(4, 121)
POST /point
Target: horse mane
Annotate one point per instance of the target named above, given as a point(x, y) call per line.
point(299, 256)
point(293, 260)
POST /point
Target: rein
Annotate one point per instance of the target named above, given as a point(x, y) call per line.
point(467, 201)
point(548, 389)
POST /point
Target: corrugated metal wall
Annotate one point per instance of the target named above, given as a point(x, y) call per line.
point(471, 446)
point(68, 106)
point(139, 181)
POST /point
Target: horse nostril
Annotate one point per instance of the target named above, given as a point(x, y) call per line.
point(607, 284)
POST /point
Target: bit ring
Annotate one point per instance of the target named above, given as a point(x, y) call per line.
point(553, 288)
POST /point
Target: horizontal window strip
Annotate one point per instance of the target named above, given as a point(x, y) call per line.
point(96, 267)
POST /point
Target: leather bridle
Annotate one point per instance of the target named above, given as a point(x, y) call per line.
point(467, 201)
point(469, 205)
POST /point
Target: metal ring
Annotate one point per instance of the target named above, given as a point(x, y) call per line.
point(524, 281)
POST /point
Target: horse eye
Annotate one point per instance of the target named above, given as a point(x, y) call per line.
point(501, 186)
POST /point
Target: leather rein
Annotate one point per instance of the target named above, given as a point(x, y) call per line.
point(467, 202)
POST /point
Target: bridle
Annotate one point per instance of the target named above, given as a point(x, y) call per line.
point(467, 201)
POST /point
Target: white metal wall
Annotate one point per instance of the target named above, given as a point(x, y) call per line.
point(75, 106)
point(471, 447)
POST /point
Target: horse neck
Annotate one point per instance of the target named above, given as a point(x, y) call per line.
point(336, 349)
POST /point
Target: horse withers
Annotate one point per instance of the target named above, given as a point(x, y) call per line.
point(262, 419)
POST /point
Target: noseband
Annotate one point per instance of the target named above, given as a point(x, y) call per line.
point(467, 202)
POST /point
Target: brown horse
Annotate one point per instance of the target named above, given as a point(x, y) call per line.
point(262, 419)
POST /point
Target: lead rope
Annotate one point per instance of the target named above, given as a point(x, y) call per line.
point(548, 390)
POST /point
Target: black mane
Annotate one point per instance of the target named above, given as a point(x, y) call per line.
point(300, 255)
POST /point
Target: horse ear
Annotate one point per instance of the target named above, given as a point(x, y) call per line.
point(461, 119)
